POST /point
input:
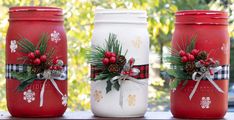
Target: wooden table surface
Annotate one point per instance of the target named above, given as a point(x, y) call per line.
point(89, 115)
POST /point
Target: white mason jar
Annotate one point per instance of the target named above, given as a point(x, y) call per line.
point(130, 26)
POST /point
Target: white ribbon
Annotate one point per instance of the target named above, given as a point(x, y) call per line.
point(209, 76)
point(121, 79)
point(48, 76)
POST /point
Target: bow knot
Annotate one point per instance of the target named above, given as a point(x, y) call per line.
point(48, 75)
point(209, 74)
point(127, 74)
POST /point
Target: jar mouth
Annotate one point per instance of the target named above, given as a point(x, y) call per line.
point(119, 11)
point(201, 17)
point(35, 13)
point(199, 12)
point(120, 16)
point(34, 8)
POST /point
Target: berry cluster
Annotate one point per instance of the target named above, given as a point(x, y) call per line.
point(114, 63)
point(36, 58)
point(57, 64)
point(186, 57)
point(197, 61)
point(110, 57)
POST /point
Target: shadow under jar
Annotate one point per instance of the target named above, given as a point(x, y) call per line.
point(130, 28)
point(202, 98)
point(46, 95)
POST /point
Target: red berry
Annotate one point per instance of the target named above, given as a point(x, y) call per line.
point(213, 62)
point(51, 68)
point(113, 54)
point(194, 52)
point(37, 61)
point(207, 63)
point(43, 58)
point(184, 59)
point(112, 60)
point(182, 53)
point(31, 55)
point(55, 60)
point(202, 62)
point(191, 58)
point(37, 52)
point(105, 61)
point(211, 72)
point(131, 61)
point(55, 67)
point(60, 67)
point(107, 54)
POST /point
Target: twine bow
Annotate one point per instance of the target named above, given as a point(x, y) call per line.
point(48, 76)
point(126, 74)
point(209, 74)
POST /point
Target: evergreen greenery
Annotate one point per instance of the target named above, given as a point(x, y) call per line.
point(96, 55)
point(28, 76)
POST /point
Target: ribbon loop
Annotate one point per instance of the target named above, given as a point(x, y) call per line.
point(126, 74)
point(197, 76)
point(48, 76)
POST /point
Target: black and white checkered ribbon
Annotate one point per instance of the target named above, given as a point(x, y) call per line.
point(223, 74)
point(21, 68)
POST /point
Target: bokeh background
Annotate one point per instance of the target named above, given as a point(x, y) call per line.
point(79, 16)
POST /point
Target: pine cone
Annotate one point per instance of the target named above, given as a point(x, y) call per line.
point(190, 67)
point(121, 60)
point(114, 68)
point(202, 55)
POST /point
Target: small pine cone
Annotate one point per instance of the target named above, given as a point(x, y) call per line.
point(202, 55)
point(190, 67)
point(121, 60)
point(114, 68)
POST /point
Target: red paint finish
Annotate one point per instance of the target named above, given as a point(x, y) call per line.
point(210, 27)
point(31, 23)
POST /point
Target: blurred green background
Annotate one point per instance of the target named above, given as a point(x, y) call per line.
point(79, 16)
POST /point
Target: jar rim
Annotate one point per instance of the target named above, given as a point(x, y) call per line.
point(119, 11)
point(199, 12)
point(34, 8)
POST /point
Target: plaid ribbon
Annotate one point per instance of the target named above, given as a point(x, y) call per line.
point(144, 71)
point(220, 75)
point(20, 68)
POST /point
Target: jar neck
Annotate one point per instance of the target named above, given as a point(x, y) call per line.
point(35, 13)
point(202, 17)
point(120, 16)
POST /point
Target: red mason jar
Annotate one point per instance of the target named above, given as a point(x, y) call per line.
point(210, 29)
point(31, 23)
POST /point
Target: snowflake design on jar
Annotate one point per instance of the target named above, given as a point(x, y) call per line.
point(55, 36)
point(13, 46)
point(98, 95)
point(29, 96)
point(205, 102)
point(64, 100)
point(131, 100)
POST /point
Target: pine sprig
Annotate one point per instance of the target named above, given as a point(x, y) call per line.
point(25, 78)
point(177, 67)
point(26, 45)
point(42, 44)
point(96, 55)
point(191, 46)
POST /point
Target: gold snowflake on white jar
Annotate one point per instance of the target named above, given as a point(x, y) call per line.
point(98, 95)
point(137, 42)
point(131, 100)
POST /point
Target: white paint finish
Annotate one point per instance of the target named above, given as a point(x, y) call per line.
point(131, 29)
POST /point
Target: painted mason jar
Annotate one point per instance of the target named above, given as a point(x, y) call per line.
point(36, 62)
point(200, 60)
point(119, 63)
